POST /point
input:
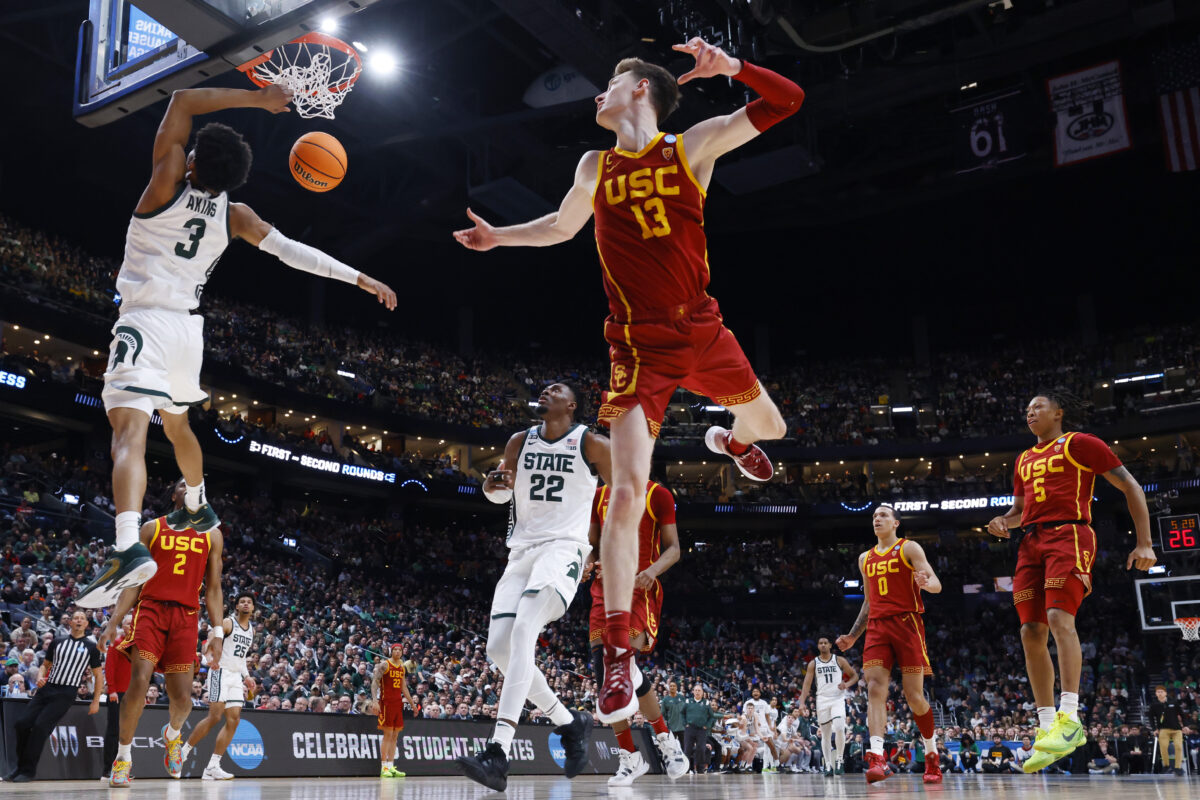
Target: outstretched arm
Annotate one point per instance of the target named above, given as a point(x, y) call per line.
point(922, 571)
point(170, 143)
point(555, 227)
point(778, 99)
point(1143, 556)
point(245, 224)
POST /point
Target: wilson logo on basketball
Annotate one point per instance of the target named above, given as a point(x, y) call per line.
point(307, 176)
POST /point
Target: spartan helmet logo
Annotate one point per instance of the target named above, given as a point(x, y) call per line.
point(128, 343)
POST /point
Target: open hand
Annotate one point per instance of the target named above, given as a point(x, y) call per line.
point(275, 98)
point(379, 289)
point(710, 60)
point(922, 577)
point(481, 237)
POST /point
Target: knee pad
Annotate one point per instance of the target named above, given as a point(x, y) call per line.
point(598, 664)
point(643, 690)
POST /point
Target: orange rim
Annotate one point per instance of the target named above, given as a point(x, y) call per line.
point(309, 38)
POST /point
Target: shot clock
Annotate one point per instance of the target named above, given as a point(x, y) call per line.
point(1179, 533)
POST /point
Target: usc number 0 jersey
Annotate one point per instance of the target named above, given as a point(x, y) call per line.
point(891, 586)
point(182, 558)
point(649, 211)
point(1056, 478)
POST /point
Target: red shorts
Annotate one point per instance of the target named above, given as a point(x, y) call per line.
point(165, 634)
point(688, 346)
point(644, 614)
point(897, 641)
point(391, 714)
point(1054, 570)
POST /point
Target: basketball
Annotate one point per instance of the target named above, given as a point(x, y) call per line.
point(318, 161)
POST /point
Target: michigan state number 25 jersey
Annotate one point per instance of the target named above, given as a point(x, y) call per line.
point(552, 493)
point(169, 253)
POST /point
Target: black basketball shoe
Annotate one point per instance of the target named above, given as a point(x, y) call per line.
point(488, 767)
point(575, 736)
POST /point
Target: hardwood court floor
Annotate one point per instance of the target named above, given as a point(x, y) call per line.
point(649, 787)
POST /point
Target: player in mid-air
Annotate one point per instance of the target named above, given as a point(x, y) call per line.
point(165, 629)
point(389, 693)
point(180, 227)
point(1052, 504)
point(548, 475)
point(228, 682)
point(895, 572)
point(832, 675)
point(658, 549)
point(663, 330)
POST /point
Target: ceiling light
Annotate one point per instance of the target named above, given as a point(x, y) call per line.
point(329, 25)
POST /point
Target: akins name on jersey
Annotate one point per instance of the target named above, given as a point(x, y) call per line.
point(552, 493)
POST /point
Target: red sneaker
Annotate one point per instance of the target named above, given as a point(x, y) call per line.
point(753, 463)
point(617, 700)
point(933, 768)
point(877, 768)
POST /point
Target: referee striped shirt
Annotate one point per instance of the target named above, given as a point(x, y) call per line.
point(71, 659)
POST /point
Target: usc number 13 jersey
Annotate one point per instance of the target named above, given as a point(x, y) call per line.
point(649, 211)
point(182, 558)
point(1056, 478)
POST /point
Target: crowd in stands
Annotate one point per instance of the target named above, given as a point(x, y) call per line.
point(429, 587)
point(958, 394)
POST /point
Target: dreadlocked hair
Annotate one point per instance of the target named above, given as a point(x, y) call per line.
point(1075, 409)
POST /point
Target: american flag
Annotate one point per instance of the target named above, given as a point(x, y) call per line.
point(1178, 73)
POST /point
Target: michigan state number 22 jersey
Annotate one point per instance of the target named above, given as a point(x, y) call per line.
point(169, 253)
point(552, 493)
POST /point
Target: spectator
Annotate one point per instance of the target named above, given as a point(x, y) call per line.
point(1000, 759)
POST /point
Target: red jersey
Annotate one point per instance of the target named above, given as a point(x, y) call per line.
point(391, 685)
point(891, 584)
point(649, 211)
point(660, 510)
point(1056, 478)
point(182, 558)
point(117, 669)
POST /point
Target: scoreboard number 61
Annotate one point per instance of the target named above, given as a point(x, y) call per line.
point(987, 133)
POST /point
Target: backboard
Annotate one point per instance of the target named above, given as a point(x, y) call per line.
point(1162, 600)
point(132, 53)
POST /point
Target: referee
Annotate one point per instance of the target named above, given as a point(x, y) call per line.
point(67, 661)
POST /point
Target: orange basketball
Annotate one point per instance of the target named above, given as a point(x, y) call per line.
point(318, 161)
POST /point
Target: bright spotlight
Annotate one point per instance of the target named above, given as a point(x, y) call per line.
point(383, 62)
point(329, 25)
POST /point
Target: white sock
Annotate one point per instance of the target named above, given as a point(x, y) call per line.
point(387, 765)
point(128, 525)
point(1068, 703)
point(559, 715)
point(215, 761)
point(187, 751)
point(1046, 717)
point(170, 734)
point(877, 745)
point(503, 735)
point(931, 746)
point(193, 496)
point(123, 752)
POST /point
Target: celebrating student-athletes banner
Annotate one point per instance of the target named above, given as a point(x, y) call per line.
point(273, 744)
point(991, 131)
point(1090, 110)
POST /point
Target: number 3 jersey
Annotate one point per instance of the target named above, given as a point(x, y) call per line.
point(649, 211)
point(236, 646)
point(169, 253)
point(553, 490)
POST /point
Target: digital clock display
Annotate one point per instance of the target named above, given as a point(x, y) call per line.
point(1179, 533)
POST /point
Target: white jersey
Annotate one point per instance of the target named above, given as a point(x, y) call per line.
point(757, 712)
point(553, 490)
point(170, 253)
point(237, 645)
point(829, 675)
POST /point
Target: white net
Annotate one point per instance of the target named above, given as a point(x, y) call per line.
point(1190, 627)
point(319, 76)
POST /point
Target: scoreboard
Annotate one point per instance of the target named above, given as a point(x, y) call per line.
point(1179, 533)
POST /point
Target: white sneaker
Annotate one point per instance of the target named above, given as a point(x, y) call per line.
point(672, 753)
point(633, 766)
point(215, 774)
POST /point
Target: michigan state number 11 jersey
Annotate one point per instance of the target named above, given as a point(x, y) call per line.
point(169, 253)
point(552, 493)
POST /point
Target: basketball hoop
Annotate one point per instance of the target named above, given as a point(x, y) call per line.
point(318, 69)
point(1190, 627)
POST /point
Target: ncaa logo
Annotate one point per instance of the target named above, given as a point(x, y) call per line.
point(64, 740)
point(557, 751)
point(246, 749)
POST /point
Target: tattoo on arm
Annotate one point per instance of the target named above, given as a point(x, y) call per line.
point(860, 623)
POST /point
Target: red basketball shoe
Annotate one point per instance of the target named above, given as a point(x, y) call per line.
point(617, 700)
point(753, 463)
point(933, 768)
point(878, 768)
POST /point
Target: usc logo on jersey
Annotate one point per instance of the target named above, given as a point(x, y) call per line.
point(620, 377)
point(1037, 468)
point(642, 183)
point(874, 568)
point(186, 544)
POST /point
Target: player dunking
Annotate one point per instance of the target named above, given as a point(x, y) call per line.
point(180, 227)
point(1052, 503)
point(165, 628)
point(549, 474)
point(658, 549)
point(228, 681)
point(663, 330)
point(832, 675)
point(389, 692)
point(895, 572)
